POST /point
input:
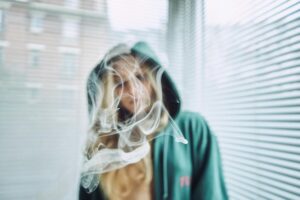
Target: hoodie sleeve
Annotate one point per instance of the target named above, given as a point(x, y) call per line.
point(208, 180)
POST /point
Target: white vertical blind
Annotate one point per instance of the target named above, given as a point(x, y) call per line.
point(185, 49)
point(47, 49)
point(252, 94)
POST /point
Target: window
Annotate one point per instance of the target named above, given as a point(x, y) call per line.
point(3, 46)
point(71, 29)
point(70, 64)
point(140, 15)
point(252, 97)
point(1, 57)
point(99, 5)
point(1, 20)
point(72, 3)
point(33, 92)
point(34, 58)
point(37, 23)
point(32, 132)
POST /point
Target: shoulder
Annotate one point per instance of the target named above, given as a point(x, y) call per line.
point(192, 122)
point(189, 114)
point(190, 117)
point(195, 128)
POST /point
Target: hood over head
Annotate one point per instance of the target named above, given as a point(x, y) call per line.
point(171, 98)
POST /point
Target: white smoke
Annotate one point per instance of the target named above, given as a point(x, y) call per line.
point(131, 135)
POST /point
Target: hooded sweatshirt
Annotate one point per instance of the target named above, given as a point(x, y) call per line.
point(180, 171)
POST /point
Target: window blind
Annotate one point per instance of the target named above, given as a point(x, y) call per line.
point(47, 49)
point(251, 94)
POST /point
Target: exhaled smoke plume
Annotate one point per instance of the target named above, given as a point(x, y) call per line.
point(120, 136)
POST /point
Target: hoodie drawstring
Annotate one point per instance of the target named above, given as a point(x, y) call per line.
point(165, 167)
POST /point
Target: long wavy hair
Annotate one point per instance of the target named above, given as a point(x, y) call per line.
point(119, 183)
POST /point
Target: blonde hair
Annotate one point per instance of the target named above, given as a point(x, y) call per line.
point(118, 184)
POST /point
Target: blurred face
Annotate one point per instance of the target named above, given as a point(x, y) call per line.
point(132, 85)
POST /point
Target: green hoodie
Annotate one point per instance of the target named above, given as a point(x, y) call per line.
point(181, 171)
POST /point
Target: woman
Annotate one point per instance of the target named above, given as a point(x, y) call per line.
point(134, 108)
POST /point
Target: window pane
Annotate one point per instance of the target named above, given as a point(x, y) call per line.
point(72, 3)
point(36, 24)
point(43, 115)
point(70, 64)
point(71, 29)
point(34, 61)
point(1, 20)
